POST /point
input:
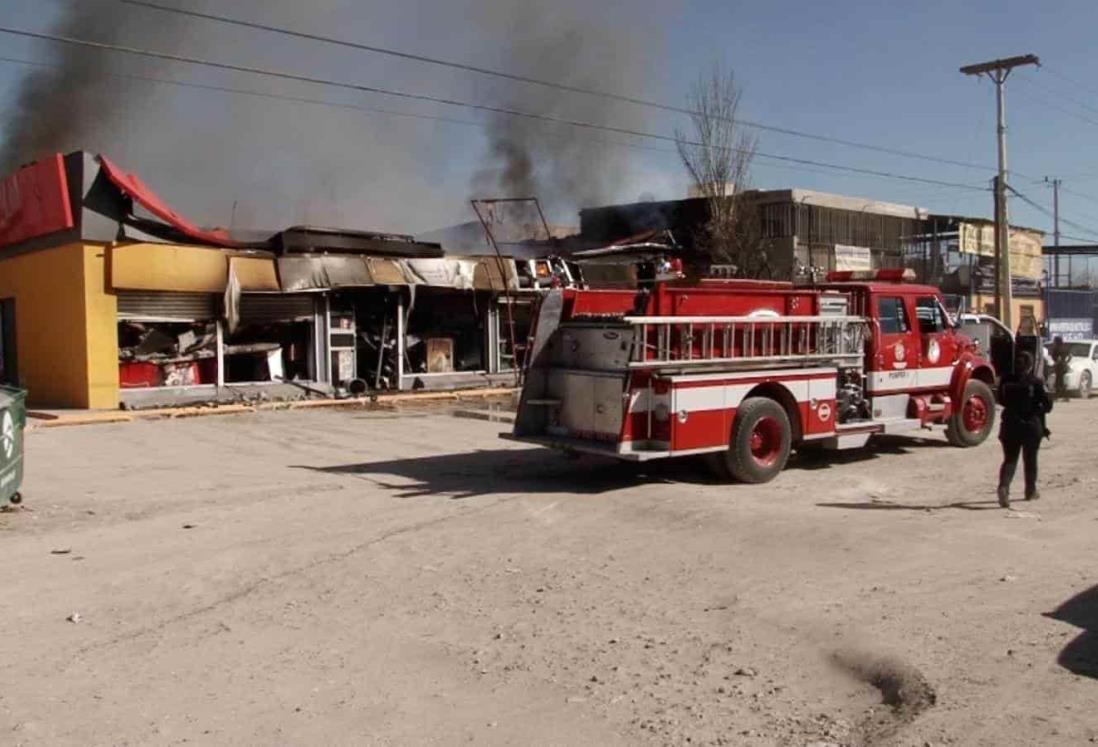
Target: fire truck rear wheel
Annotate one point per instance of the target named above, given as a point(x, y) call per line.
point(971, 424)
point(760, 442)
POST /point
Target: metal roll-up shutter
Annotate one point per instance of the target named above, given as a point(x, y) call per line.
point(272, 308)
point(161, 306)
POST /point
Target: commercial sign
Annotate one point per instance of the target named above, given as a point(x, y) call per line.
point(34, 201)
point(1026, 258)
point(1021, 287)
point(977, 238)
point(853, 258)
point(1071, 329)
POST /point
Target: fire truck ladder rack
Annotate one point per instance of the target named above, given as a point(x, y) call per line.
point(716, 341)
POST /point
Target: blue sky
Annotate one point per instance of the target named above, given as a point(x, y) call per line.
point(878, 72)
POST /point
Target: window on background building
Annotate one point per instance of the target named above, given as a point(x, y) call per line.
point(1027, 320)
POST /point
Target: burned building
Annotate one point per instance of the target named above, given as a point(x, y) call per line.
point(108, 297)
point(795, 230)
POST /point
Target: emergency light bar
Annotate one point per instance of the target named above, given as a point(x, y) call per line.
point(897, 275)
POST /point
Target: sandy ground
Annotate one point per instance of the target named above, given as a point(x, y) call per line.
point(408, 578)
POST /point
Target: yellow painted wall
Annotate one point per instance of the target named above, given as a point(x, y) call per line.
point(101, 326)
point(65, 326)
point(186, 269)
point(66, 311)
point(168, 267)
point(986, 303)
point(255, 273)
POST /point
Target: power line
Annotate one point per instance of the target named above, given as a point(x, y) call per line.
point(321, 102)
point(1053, 105)
point(1047, 181)
point(1080, 195)
point(463, 104)
point(809, 166)
point(1067, 79)
point(829, 170)
point(1041, 208)
point(1067, 97)
point(542, 82)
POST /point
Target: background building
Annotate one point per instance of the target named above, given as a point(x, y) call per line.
point(797, 229)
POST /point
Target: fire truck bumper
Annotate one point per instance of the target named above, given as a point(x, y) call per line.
point(627, 451)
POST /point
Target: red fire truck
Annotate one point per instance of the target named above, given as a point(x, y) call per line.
point(745, 371)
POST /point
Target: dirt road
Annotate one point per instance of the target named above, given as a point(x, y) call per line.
point(408, 578)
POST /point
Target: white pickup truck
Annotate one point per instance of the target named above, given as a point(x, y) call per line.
point(1082, 366)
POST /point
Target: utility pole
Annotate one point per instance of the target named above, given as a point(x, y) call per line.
point(1056, 230)
point(998, 71)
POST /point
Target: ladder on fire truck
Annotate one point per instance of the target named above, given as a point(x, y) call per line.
point(717, 342)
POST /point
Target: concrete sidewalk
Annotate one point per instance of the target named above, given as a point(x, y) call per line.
point(37, 419)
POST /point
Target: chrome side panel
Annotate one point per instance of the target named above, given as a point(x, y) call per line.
point(890, 407)
point(592, 347)
point(591, 403)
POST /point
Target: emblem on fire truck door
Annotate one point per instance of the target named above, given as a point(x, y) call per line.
point(933, 351)
point(824, 411)
point(899, 352)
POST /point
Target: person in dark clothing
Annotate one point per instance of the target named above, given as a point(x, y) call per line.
point(1061, 358)
point(1025, 404)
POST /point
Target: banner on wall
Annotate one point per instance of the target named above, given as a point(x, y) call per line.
point(858, 258)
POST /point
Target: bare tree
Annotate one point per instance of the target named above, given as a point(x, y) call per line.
point(718, 154)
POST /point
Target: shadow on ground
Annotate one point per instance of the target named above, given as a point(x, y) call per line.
point(808, 458)
point(1080, 656)
point(886, 506)
point(541, 470)
point(534, 470)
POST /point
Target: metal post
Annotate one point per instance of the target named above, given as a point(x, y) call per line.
point(1056, 228)
point(400, 341)
point(998, 197)
point(220, 356)
point(1002, 219)
point(503, 268)
point(998, 71)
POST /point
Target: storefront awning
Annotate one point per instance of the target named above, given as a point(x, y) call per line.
point(186, 269)
point(330, 271)
point(470, 273)
point(191, 269)
point(325, 272)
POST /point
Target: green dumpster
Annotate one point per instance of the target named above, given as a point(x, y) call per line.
point(13, 418)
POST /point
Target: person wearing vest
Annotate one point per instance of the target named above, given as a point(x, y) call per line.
point(1025, 405)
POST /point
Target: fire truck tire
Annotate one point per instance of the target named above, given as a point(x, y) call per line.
point(971, 424)
point(760, 442)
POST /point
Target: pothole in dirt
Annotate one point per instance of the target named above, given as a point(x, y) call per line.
point(903, 688)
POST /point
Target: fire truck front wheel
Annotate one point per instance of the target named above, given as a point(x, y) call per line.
point(760, 442)
point(971, 424)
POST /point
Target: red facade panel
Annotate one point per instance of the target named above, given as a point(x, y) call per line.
point(34, 201)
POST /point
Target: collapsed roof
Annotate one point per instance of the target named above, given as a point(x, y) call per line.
point(85, 197)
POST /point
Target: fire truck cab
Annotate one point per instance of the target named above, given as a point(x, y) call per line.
point(745, 371)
